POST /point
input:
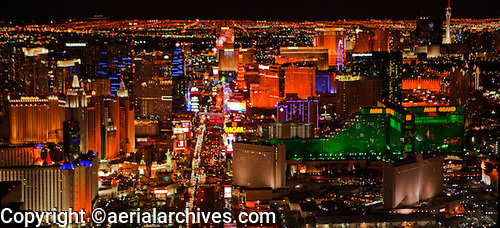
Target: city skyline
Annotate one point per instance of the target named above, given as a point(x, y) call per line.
point(295, 10)
point(279, 122)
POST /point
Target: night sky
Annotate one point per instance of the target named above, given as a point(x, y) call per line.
point(289, 10)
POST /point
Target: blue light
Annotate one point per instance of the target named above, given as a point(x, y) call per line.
point(67, 166)
point(86, 163)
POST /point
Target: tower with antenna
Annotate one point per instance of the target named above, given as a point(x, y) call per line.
point(447, 39)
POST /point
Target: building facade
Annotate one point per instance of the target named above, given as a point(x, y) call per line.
point(33, 119)
point(412, 180)
point(257, 165)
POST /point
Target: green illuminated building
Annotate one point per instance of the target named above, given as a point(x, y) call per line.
point(384, 133)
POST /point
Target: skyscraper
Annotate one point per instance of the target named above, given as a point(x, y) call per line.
point(55, 187)
point(62, 79)
point(271, 87)
point(300, 80)
point(416, 179)
point(111, 125)
point(76, 110)
point(33, 119)
point(228, 60)
point(126, 121)
point(319, 54)
point(333, 39)
point(354, 94)
point(460, 85)
point(447, 39)
point(257, 165)
point(325, 82)
point(71, 137)
point(296, 110)
point(178, 79)
point(386, 66)
point(34, 71)
point(225, 38)
point(380, 40)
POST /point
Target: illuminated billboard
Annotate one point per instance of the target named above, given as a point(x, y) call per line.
point(236, 106)
point(227, 191)
point(225, 36)
point(234, 127)
point(235, 130)
point(228, 142)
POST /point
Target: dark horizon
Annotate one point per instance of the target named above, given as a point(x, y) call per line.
point(277, 10)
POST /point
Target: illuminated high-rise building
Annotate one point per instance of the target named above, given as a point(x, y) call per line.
point(300, 80)
point(76, 110)
point(422, 83)
point(111, 125)
point(447, 39)
point(96, 125)
point(178, 75)
point(126, 121)
point(228, 60)
point(246, 56)
point(56, 187)
point(34, 71)
point(325, 82)
point(258, 165)
point(296, 110)
point(371, 40)
point(225, 38)
point(412, 180)
point(386, 66)
point(227, 56)
point(460, 85)
point(291, 130)
point(112, 133)
point(71, 144)
point(363, 42)
point(354, 93)
point(154, 89)
point(380, 40)
point(19, 155)
point(63, 73)
point(154, 92)
point(33, 119)
point(271, 87)
point(154, 98)
point(305, 54)
point(385, 133)
point(334, 40)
